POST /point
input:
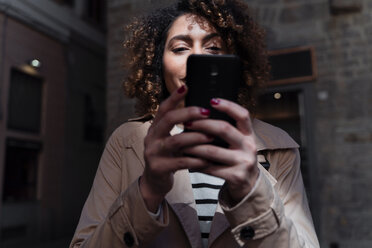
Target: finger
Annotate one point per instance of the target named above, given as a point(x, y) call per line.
point(220, 155)
point(221, 129)
point(177, 142)
point(172, 102)
point(173, 117)
point(172, 164)
point(238, 113)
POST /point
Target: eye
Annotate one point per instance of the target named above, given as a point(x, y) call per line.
point(179, 49)
point(214, 49)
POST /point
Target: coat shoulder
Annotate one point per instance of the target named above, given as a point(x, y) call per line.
point(269, 137)
point(131, 131)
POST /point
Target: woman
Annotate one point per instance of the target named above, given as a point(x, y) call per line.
point(152, 181)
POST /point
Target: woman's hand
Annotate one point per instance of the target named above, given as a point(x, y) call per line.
point(239, 162)
point(162, 151)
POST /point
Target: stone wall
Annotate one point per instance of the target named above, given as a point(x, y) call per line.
point(341, 33)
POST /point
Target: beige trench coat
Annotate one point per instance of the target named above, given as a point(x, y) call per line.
point(275, 214)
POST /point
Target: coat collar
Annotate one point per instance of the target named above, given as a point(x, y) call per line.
point(181, 200)
point(268, 137)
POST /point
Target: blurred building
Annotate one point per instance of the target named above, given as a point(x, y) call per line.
point(320, 51)
point(52, 115)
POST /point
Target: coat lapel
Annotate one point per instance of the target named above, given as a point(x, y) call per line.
point(181, 200)
point(219, 225)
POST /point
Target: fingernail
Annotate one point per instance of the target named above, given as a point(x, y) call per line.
point(187, 123)
point(181, 89)
point(215, 101)
point(204, 111)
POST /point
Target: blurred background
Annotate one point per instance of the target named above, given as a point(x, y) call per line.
point(60, 99)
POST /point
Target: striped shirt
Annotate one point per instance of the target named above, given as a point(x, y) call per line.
point(205, 189)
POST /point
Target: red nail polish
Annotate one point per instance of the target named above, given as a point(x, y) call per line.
point(215, 101)
point(187, 123)
point(181, 89)
point(204, 111)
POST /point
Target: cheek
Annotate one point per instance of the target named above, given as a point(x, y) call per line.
point(173, 65)
point(167, 66)
point(174, 69)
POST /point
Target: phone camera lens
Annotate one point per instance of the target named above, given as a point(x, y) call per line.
point(214, 70)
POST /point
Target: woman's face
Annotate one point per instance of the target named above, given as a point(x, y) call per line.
point(189, 34)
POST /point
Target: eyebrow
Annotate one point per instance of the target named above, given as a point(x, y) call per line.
point(187, 38)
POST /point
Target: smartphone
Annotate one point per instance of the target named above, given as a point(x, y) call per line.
point(213, 76)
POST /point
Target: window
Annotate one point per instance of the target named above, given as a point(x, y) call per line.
point(20, 178)
point(292, 65)
point(25, 99)
point(22, 155)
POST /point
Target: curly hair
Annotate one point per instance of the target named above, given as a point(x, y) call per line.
point(146, 42)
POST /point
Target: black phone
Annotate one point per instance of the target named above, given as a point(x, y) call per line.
point(213, 76)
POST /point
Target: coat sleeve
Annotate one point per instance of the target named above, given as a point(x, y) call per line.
point(274, 215)
point(112, 217)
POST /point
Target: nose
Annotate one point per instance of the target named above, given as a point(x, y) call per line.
point(197, 49)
